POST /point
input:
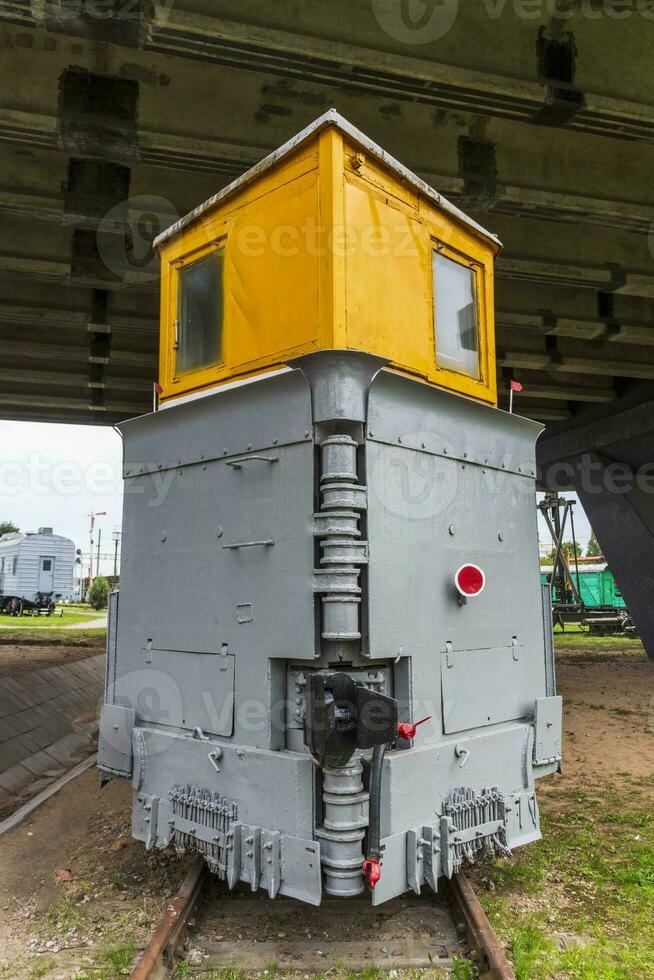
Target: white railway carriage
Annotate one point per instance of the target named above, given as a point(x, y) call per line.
point(35, 568)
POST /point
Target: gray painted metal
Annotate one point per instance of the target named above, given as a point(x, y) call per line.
point(115, 744)
point(548, 720)
point(367, 519)
point(548, 638)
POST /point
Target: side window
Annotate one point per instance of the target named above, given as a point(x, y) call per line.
point(456, 317)
point(200, 314)
point(15, 565)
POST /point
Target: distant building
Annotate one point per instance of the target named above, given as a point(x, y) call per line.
point(36, 567)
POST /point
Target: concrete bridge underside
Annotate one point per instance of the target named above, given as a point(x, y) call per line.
point(538, 119)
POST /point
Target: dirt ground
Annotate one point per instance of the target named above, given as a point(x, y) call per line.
point(20, 658)
point(608, 713)
point(96, 920)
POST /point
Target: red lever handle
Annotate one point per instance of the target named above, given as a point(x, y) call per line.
point(407, 730)
point(371, 871)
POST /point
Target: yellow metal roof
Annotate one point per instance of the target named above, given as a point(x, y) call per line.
point(329, 118)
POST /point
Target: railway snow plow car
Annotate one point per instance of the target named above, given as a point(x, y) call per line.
point(330, 664)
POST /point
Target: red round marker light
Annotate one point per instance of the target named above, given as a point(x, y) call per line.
point(470, 580)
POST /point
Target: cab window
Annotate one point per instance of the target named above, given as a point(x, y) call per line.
point(456, 318)
point(200, 314)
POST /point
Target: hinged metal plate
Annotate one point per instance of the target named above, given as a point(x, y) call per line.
point(548, 723)
point(115, 742)
point(202, 697)
point(483, 687)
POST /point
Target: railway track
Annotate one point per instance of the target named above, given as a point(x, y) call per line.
point(251, 932)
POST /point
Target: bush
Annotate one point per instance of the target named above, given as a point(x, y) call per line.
point(99, 594)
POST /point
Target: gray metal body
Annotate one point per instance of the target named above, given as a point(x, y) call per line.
point(33, 565)
point(250, 562)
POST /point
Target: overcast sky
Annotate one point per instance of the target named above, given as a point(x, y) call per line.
point(55, 475)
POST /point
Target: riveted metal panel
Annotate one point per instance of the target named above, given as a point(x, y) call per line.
point(437, 422)
point(220, 559)
point(246, 419)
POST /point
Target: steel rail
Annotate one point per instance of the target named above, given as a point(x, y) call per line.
point(487, 950)
point(158, 958)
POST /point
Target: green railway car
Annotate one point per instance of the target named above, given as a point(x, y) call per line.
point(597, 586)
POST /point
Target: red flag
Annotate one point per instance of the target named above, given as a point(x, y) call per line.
point(516, 386)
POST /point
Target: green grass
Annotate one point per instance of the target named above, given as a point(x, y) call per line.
point(42, 966)
point(111, 964)
point(594, 872)
point(576, 637)
point(71, 616)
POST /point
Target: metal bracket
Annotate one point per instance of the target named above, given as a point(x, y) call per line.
point(149, 818)
point(415, 859)
point(431, 855)
point(251, 855)
point(271, 867)
point(233, 855)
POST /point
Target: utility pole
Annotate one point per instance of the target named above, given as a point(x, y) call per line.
point(97, 564)
point(116, 535)
point(93, 515)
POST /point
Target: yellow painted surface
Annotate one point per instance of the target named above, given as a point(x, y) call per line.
point(329, 249)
